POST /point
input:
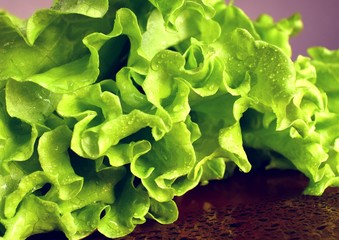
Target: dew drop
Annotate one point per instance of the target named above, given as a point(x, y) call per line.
point(178, 108)
point(211, 87)
point(7, 44)
point(155, 66)
point(240, 56)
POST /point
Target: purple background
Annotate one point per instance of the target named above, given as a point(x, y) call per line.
point(321, 18)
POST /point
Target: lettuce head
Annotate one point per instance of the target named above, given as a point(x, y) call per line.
point(109, 109)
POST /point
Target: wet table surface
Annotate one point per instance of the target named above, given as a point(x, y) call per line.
point(257, 205)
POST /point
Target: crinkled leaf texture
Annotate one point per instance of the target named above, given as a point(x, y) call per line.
point(111, 109)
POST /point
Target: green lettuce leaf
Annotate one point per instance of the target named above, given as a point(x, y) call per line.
point(128, 211)
point(52, 51)
point(279, 33)
point(326, 64)
point(17, 138)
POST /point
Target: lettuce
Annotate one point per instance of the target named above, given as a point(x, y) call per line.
point(111, 109)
